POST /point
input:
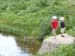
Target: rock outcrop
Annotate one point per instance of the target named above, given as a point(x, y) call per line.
point(51, 43)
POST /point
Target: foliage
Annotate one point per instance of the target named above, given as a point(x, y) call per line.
point(33, 18)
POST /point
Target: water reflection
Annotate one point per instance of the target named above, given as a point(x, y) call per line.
point(29, 45)
point(9, 47)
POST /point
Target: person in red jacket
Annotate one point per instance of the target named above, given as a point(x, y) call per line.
point(54, 25)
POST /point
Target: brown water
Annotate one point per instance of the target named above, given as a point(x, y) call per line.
point(17, 46)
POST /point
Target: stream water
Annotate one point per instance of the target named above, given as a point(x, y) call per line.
point(12, 46)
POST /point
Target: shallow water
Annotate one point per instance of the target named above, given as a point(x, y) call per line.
point(9, 47)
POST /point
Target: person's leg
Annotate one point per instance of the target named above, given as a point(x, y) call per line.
point(54, 32)
point(62, 32)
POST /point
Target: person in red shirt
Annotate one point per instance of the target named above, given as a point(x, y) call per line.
point(54, 25)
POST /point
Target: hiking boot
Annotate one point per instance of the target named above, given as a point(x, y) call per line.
point(62, 35)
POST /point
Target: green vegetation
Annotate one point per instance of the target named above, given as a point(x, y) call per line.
point(32, 18)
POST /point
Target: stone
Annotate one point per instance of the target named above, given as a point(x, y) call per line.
point(51, 43)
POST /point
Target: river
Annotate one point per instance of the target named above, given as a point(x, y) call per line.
point(14, 46)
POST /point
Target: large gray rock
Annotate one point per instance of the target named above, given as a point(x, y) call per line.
point(51, 43)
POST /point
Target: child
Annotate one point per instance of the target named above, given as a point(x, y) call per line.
point(54, 25)
point(62, 24)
